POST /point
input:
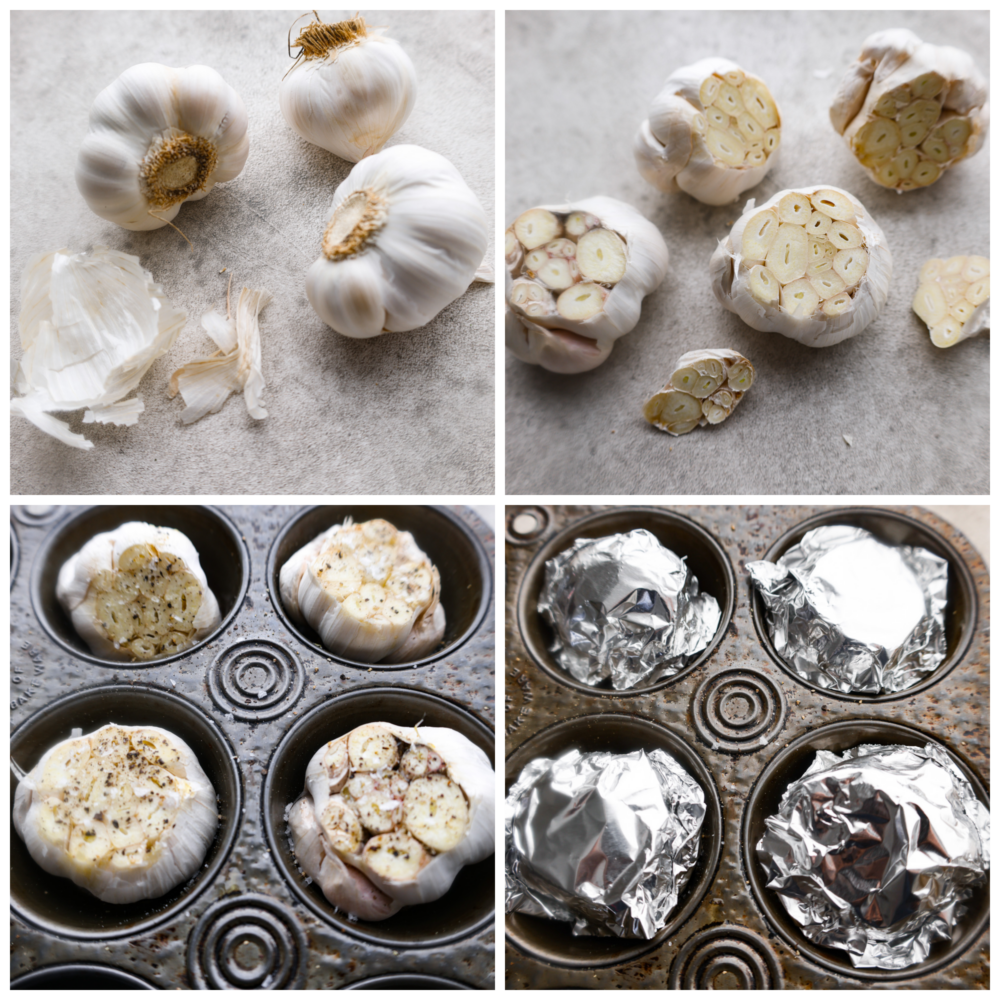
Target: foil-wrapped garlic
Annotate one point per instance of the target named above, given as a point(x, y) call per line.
point(576, 278)
point(405, 237)
point(350, 90)
point(705, 388)
point(954, 298)
point(159, 137)
point(810, 264)
point(909, 110)
point(712, 132)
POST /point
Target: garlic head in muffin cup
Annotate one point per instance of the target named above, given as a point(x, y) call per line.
point(138, 593)
point(159, 137)
point(368, 591)
point(810, 264)
point(405, 238)
point(126, 812)
point(576, 276)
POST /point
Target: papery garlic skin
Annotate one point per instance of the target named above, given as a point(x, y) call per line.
point(91, 325)
point(909, 110)
point(712, 132)
point(405, 238)
point(352, 90)
point(576, 276)
point(159, 137)
point(810, 264)
point(954, 298)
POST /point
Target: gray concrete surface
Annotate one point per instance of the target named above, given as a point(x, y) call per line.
point(401, 413)
point(578, 86)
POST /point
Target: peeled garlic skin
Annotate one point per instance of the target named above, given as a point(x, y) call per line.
point(147, 102)
point(424, 256)
point(731, 284)
point(352, 100)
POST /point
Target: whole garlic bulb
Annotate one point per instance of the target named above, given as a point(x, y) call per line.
point(406, 236)
point(909, 110)
point(159, 137)
point(351, 89)
point(712, 132)
point(810, 264)
point(576, 278)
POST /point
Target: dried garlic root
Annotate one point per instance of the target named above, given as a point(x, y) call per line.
point(704, 389)
point(711, 132)
point(909, 110)
point(954, 298)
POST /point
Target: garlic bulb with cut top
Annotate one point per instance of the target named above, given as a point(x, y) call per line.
point(405, 238)
point(712, 132)
point(954, 298)
point(350, 90)
point(576, 277)
point(159, 137)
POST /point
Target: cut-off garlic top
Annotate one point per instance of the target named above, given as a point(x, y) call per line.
point(909, 110)
point(576, 278)
point(954, 298)
point(712, 132)
point(810, 264)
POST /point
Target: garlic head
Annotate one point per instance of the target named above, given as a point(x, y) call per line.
point(350, 90)
point(954, 298)
point(576, 276)
point(159, 137)
point(909, 110)
point(712, 132)
point(810, 264)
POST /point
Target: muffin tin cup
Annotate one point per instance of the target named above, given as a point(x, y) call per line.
point(888, 526)
point(787, 766)
point(704, 557)
point(466, 576)
point(80, 976)
point(468, 906)
point(54, 903)
point(407, 983)
point(221, 551)
point(552, 941)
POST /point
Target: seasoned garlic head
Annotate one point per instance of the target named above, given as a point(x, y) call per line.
point(909, 110)
point(368, 590)
point(390, 815)
point(576, 278)
point(810, 264)
point(138, 593)
point(126, 812)
point(712, 132)
point(954, 298)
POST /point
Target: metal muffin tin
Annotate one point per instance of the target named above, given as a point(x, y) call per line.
point(740, 719)
point(255, 700)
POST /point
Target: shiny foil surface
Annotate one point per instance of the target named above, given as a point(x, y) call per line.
point(875, 850)
point(605, 841)
point(626, 608)
point(850, 613)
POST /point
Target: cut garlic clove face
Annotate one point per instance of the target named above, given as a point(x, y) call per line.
point(954, 298)
point(712, 132)
point(909, 110)
point(823, 279)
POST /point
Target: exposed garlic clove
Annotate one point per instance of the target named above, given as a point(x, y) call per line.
point(953, 298)
point(903, 93)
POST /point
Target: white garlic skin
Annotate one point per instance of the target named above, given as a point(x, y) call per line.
point(424, 255)
point(149, 103)
point(353, 99)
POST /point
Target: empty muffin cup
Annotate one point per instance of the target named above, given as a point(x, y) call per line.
point(552, 941)
point(221, 551)
point(80, 976)
point(893, 529)
point(407, 981)
point(57, 905)
point(450, 544)
point(469, 904)
point(704, 557)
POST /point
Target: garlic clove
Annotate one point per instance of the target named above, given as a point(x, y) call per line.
point(350, 298)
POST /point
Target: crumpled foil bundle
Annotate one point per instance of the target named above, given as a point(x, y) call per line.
point(874, 851)
point(605, 841)
point(626, 608)
point(850, 613)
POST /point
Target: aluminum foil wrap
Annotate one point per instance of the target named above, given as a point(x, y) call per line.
point(850, 613)
point(605, 841)
point(626, 608)
point(875, 850)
